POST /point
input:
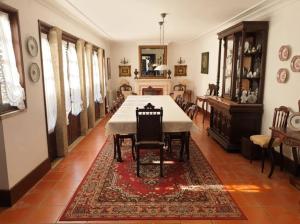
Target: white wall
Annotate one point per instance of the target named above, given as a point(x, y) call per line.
point(25, 134)
point(282, 31)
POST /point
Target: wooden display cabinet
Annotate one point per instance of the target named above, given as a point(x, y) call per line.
point(237, 113)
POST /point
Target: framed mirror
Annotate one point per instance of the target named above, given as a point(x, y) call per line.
point(150, 56)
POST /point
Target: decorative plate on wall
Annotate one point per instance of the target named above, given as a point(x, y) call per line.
point(294, 121)
point(282, 75)
point(32, 46)
point(34, 72)
point(284, 53)
point(295, 63)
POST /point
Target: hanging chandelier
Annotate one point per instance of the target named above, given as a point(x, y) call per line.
point(162, 67)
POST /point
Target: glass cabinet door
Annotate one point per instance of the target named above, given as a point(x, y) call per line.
point(228, 68)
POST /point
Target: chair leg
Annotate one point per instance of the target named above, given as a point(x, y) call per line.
point(281, 158)
point(138, 161)
point(263, 160)
point(161, 160)
point(132, 147)
point(187, 145)
point(115, 147)
point(272, 162)
point(182, 141)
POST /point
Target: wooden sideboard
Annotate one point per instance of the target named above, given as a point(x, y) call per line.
point(230, 121)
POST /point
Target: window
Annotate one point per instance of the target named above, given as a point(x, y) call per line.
point(96, 78)
point(71, 79)
point(49, 84)
point(12, 94)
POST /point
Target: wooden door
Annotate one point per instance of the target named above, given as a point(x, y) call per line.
point(97, 110)
point(74, 128)
point(52, 146)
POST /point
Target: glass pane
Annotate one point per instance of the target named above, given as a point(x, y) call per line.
point(228, 66)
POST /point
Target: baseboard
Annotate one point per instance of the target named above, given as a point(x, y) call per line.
point(9, 197)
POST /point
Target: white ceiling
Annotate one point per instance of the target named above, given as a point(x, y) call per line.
point(137, 20)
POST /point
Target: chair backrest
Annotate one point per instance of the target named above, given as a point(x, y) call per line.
point(280, 117)
point(179, 87)
point(192, 110)
point(299, 105)
point(212, 90)
point(149, 123)
point(125, 87)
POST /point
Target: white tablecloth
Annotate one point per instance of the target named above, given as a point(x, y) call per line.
point(124, 120)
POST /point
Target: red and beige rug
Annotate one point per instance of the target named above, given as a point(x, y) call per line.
point(188, 190)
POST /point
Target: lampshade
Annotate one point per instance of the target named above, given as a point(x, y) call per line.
point(161, 68)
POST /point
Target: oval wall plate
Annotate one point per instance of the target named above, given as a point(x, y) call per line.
point(34, 72)
point(32, 46)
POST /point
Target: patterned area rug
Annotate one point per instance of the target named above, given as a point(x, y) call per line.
point(188, 190)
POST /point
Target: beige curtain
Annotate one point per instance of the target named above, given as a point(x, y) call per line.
point(101, 68)
point(83, 114)
point(91, 108)
point(55, 42)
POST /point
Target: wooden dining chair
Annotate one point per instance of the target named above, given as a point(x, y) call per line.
point(149, 134)
point(280, 117)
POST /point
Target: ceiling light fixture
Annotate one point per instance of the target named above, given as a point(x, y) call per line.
point(162, 67)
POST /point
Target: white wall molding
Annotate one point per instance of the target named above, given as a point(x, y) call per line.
point(258, 11)
point(69, 12)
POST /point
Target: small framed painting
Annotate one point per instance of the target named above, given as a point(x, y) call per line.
point(204, 62)
point(180, 70)
point(108, 69)
point(124, 70)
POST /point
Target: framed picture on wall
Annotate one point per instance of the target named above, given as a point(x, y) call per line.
point(108, 69)
point(124, 70)
point(180, 70)
point(204, 62)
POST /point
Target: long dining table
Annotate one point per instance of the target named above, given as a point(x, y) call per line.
point(123, 121)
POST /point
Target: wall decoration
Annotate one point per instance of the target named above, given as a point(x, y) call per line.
point(284, 53)
point(124, 61)
point(294, 121)
point(34, 72)
point(180, 70)
point(282, 75)
point(204, 62)
point(124, 70)
point(295, 63)
point(108, 69)
point(32, 46)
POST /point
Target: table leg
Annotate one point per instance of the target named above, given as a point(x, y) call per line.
point(203, 112)
point(182, 141)
point(295, 180)
point(271, 149)
point(187, 145)
point(119, 158)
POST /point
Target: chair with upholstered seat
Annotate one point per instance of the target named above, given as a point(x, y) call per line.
point(178, 90)
point(149, 134)
point(280, 117)
point(125, 90)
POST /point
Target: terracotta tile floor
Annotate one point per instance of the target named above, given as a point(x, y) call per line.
point(263, 200)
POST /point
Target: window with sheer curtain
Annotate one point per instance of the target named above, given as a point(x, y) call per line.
point(73, 99)
point(96, 79)
point(12, 94)
point(49, 84)
point(87, 79)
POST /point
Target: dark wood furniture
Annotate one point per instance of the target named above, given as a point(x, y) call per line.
point(266, 142)
point(237, 113)
point(125, 87)
point(289, 138)
point(212, 91)
point(187, 94)
point(149, 133)
point(152, 91)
